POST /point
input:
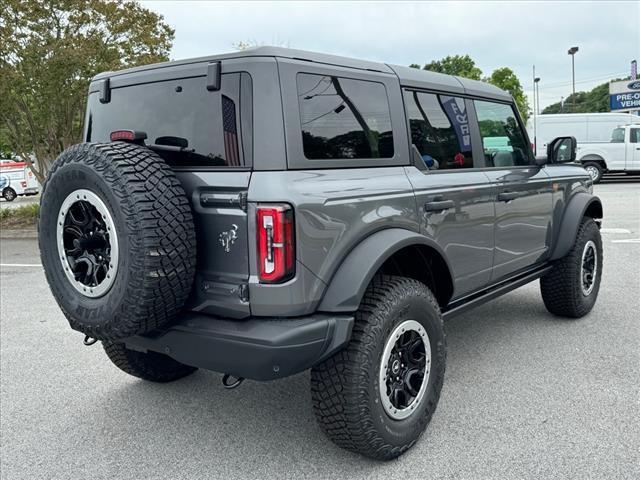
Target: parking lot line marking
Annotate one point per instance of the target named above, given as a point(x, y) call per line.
point(614, 230)
point(20, 265)
point(627, 240)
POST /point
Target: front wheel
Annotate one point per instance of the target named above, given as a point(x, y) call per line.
point(594, 170)
point(9, 194)
point(571, 288)
point(377, 396)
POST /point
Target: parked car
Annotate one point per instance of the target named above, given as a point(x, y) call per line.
point(269, 211)
point(19, 180)
point(590, 130)
point(620, 154)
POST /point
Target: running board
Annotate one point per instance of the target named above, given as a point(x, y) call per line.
point(473, 300)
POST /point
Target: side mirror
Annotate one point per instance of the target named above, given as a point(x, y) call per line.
point(562, 150)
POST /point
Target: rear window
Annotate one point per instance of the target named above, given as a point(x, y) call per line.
point(342, 118)
point(185, 123)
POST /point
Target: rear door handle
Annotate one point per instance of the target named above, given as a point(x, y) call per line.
point(439, 205)
point(508, 196)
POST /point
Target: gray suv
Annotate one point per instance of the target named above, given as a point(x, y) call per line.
point(272, 210)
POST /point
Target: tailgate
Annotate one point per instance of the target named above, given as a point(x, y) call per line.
point(220, 217)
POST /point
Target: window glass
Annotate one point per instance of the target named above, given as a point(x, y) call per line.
point(185, 123)
point(503, 141)
point(343, 118)
point(617, 135)
point(635, 135)
point(439, 130)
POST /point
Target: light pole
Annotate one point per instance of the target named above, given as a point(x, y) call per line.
point(535, 121)
point(536, 82)
point(572, 51)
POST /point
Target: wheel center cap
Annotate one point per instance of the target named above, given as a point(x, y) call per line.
point(395, 366)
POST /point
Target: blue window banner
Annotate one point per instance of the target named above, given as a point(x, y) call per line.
point(456, 111)
point(625, 101)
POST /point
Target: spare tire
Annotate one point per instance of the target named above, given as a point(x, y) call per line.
point(117, 239)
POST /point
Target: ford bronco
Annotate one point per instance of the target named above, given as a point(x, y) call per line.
point(269, 211)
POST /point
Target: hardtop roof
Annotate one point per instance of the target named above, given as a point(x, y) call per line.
point(410, 77)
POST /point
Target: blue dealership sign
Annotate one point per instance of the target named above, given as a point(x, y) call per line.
point(625, 101)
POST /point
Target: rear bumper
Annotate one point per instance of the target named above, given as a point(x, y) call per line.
point(256, 348)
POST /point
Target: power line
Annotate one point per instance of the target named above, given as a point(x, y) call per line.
point(584, 80)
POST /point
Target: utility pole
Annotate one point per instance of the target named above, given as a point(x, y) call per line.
point(536, 81)
point(535, 126)
point(572, 51)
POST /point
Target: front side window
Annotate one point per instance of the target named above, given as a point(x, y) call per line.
point(439, 130)
point(503, 140)
point(635, 135)
point(342, 118)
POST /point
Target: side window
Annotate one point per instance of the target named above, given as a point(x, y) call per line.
point(439, 130)
point(617, 135)
point(635, 135)
point(503, 141)
point(343, 118)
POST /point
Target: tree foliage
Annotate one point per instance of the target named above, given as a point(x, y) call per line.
point(50, 50)
point(506, 79)
point(595, 100)
point(461, 65)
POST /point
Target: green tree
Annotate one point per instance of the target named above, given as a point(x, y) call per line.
point(593, 101)
point(461, 65)
point(50, 50)
point(506, 79)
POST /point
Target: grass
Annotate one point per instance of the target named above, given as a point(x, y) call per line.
point(25, 216)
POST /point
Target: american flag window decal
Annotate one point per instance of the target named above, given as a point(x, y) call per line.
point(230, 130)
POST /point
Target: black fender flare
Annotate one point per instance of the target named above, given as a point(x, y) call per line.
point(579, 205)
point(349, 282)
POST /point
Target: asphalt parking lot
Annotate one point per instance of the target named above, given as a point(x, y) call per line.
point(526, 395)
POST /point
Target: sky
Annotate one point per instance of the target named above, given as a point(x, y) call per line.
point(515, 34)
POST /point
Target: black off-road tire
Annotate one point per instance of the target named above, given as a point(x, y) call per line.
point(150, 366)
point(9, 194)
point(344, 388)
point(561, 288)
point(597, 167)
point(155, 232)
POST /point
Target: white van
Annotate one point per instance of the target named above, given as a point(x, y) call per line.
point(17, 179)
point(586, 127)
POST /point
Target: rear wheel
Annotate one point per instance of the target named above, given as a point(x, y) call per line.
point(571, 288)
point(594, 170)
point(377, 396)
point(9, 194)
point(151, 366)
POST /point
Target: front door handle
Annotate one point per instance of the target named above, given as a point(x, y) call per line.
point(508, 196)
point(438, 206)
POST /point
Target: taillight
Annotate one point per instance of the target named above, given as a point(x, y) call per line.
point(24, 184)
point(276, 246)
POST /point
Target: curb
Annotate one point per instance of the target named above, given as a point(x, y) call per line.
point(18, 234)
